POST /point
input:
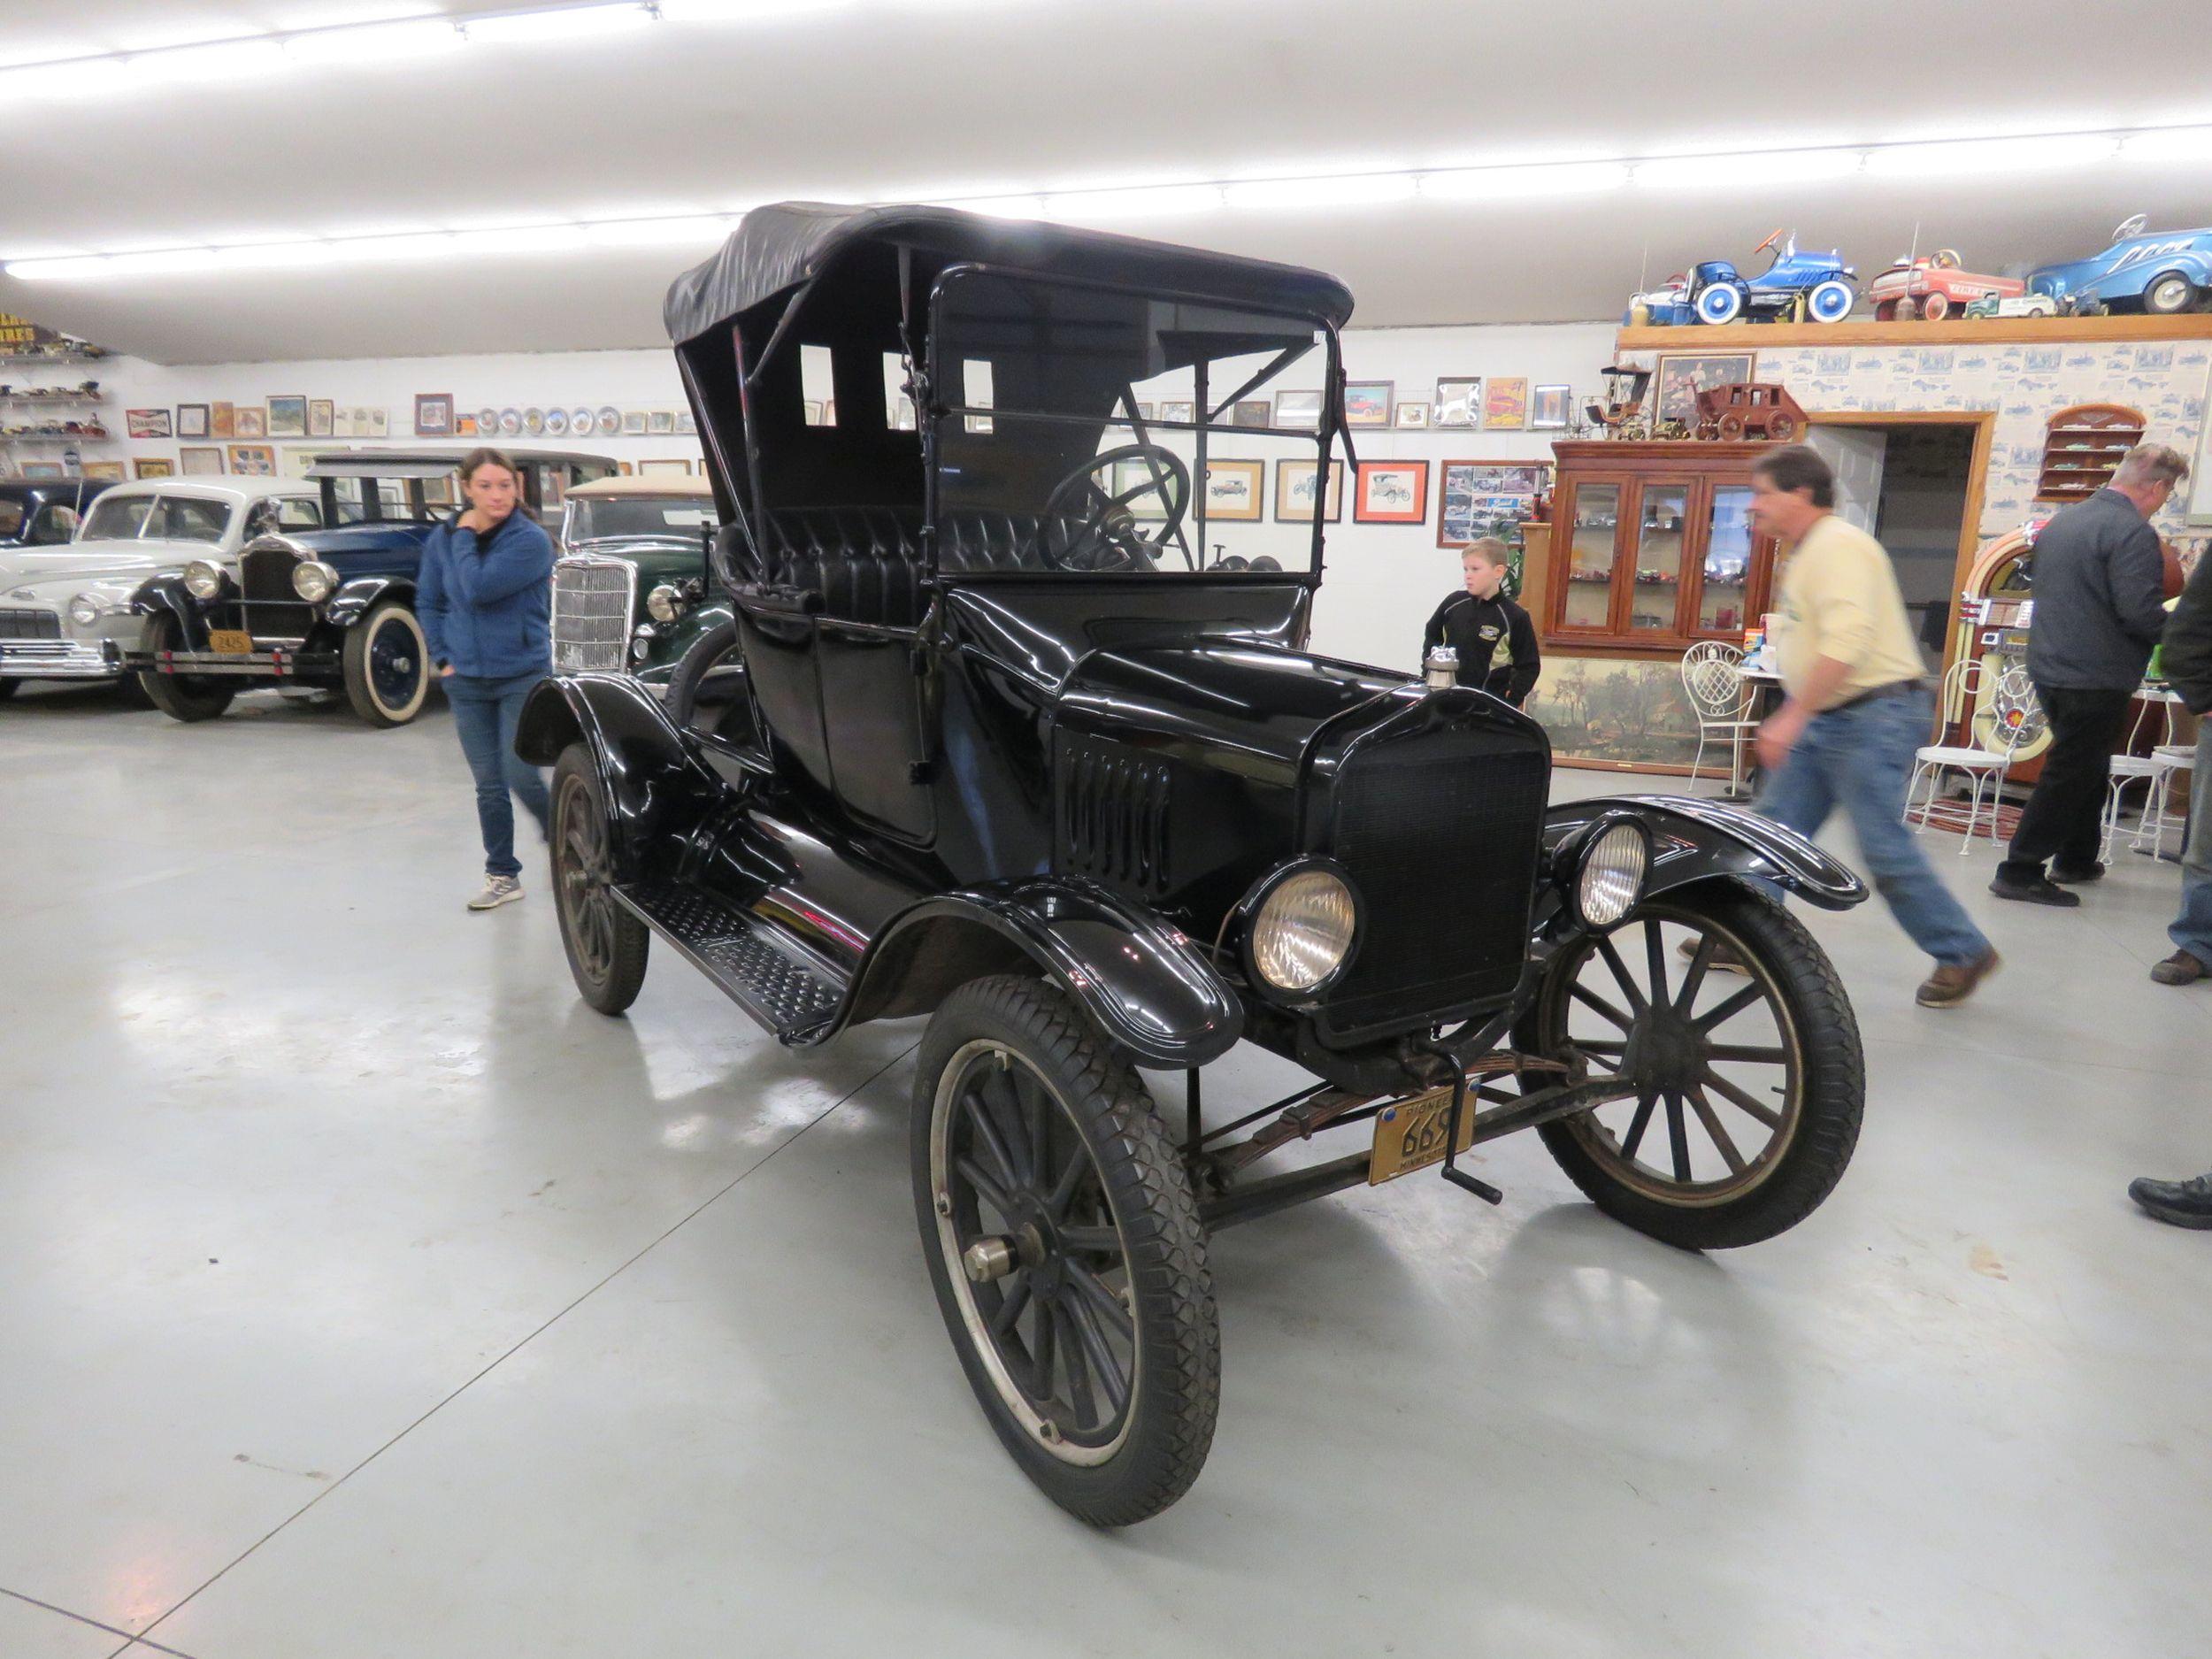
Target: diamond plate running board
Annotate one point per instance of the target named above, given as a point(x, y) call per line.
point(779, 983)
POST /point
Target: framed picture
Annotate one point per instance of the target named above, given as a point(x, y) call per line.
point(147, 423)
point(1254, 412)
point(433, 414)
point(1505, 405)
point(688, 422)
point(222, 420)
point(320, 414)
point(464, 425)
point(659, 421)
point(1294, 483)
point(379, 421)
point(249, 420)
point(1467, 498)
point(1136, 481)
point(1550, 407)
point(297, 459)
point(287, 417)
point(192, 420)
point(664, 469)
point(1233, 491)
point(1182, 412)
point(153, 467)
point(633, 423)
point(1458, 401)
point(200, 460)
point(252, 460)
point(1367, 403)
point(1391, 492)
point(1144, 411)
point(1683, 374)
point(342, 423)
point(1410, 416)
point(44, 469)
point(1297, 411)
point(102, 472)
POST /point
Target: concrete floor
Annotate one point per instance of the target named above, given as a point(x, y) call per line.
point(363, 1294)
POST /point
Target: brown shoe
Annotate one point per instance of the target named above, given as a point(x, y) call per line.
point(1722, 961)
point(1952, 983)
point(2181, 968)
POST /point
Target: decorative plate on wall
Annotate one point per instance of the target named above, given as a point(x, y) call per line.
point(533, 422)
point(610, 420)
point(510, 421)
point(579, 420)
point(487, 420)
point(556, 422)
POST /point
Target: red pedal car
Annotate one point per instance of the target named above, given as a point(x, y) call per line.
point(1934, 288)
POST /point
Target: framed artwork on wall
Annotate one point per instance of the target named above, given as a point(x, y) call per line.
point(287, 417)
point(633, 423)
point(1391, 492)
point(153, 467)
point(320, 414)
point(222, 420)
point(1505, 405)
point(664, 469)
point(252, 460)
point(1367, 403)
point(1683, 374)
point(379, 421)
point(658, 421)
point(192, 420)
point(688, 422)
point(249, 420)
point(1182, 412)
point(1297, 411)
point(433, 414)
point(1233, 491)
point(101, 472)
point(1253, 411)
point(1549, 407)
point(200, 460)
point(1469, 494)
point(146, 423)
point(297, 459)
point(1294, 483)
point(1458, 401)
point(1136, 483)
point(44, 470)
point(1410, 416)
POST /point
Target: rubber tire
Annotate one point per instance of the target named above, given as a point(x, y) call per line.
point(1829, 286)
point(1179, 1383)
point(354, 662)
point(182, 697)
point(633, 939)
point(9, 686)
point(1935, 308)
point(1735, 313)
point(2186, 290)
point(691, 668)
point(1834, 1067)
point(1886, 311)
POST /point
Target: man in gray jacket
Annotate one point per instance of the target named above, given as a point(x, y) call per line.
point(2100, 597)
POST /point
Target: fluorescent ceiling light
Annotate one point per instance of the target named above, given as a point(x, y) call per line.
point(1490, 184)
point(230, 60)
point(412, 245)
point(1137, 202)
point(1371, 190)
point(519, 238)
point(654, 233)
point(1000, 206)
point(275, 255)
point(2180, 143)
point(376, 43)
point(564, 24)
point(742, 11)
point(1773, 166)
point(1989, 154)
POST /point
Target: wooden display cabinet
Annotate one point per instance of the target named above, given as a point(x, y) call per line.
point(2082, 447)
point(1651, 548)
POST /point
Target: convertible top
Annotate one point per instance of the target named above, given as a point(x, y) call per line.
point(776, 249)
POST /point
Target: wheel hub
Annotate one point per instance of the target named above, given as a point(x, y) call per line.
point(1665, 1052)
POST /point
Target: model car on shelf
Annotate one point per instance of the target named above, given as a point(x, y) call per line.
point(1018, 749)
point(71, 609)
point(2161, 273)
point(634, 584)
point(1934, 287)
point(1795, 287)
point(1748, 410)
point(327, 605)
point(2011, 305)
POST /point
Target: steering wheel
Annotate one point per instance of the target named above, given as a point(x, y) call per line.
point(2134, 225)
point(1107, 540)
point(1769, 243)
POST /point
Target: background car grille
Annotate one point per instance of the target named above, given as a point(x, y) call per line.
point(30, 625)
point(1113, 816)
point(592, 600)
point(1440, 832)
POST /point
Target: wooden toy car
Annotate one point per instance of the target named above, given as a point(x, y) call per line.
point(1748, 408)
point(1935, 287)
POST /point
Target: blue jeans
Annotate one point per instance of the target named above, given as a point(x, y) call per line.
point(1860, 758)
point(2192, 929)
point(484, 713)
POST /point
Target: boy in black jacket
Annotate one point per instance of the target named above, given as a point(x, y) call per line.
point(1495, 640)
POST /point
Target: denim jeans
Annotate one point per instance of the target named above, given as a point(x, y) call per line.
point(2192, 929)
point(484, 713)
point(1858, 757)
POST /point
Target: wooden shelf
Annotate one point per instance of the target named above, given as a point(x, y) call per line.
point(1968, 331)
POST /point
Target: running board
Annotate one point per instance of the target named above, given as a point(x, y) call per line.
point(779, 983)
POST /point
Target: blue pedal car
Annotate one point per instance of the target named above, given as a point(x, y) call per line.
point(2161, 273)
point(1816, 287)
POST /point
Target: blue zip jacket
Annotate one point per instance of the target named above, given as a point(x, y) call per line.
point(486, 604)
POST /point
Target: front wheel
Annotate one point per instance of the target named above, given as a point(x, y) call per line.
point(607, 946)
point(1831, 301)
point(1065, 1245)
point(2169, 294)
point(1721, 302)
point(1748, 1088)
point(186, 698)
point(387, 666)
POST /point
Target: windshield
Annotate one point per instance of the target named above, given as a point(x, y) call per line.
point(1125, 432)
point(189, 518)
point(117, 519)
point(595, 518)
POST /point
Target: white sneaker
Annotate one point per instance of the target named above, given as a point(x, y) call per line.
point(498, 890)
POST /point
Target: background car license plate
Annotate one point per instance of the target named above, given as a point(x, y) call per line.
point(230, 642)
point(1410, 1135)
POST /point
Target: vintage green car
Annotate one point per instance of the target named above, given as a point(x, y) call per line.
point(634, 586)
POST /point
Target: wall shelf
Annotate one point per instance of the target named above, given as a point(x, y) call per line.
point(1968, 331)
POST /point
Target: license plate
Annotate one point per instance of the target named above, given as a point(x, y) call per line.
point(230, 642)
point(1410, 1135)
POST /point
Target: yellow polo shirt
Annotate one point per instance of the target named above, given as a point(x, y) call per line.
point(1839, 599)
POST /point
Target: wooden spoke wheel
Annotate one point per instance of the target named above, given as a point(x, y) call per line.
point(607, 946)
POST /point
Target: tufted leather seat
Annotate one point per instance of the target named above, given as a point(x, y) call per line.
point(866, 562)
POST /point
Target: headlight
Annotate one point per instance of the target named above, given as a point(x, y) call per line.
point(665, 604)
point(1302, 930)
point(86, 609)
point(1610, 877)
point(202, 580)
point(313, 581)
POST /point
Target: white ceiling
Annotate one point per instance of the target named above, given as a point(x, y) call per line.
point(902, 97)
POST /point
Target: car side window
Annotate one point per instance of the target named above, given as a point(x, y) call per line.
point(346, 492)
point(54, 525)
point(118, 518)
point(299, 514)
point(187, 518)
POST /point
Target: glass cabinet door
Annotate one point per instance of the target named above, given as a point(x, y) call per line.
point(1725, 599)
point(1588, 600)
point(1662, 522)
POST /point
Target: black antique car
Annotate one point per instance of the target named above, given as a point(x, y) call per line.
point(1023, 747)
point(330, 607)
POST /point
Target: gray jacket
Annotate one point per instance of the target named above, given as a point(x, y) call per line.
point(2099, 596)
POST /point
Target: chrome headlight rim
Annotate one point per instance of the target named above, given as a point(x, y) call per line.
point(313, 581)
point(204, 579)
point(664, 603)
point(1276, 888)
point(1608, 870)
point(86, 610)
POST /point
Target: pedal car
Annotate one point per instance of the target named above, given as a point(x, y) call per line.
point(2163, 273)
point(1794, 286)
point(1030, 743)
point(1933, 288)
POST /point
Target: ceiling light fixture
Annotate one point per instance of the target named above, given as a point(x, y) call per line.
point(1773, 166)
point(228, 60)
point(1955, 158)
point(2177, 144)
point(1490, 184)
point(369, 43)
point(561, 23)
point(1364, 189)
point(659, 233)
point(1152, 201)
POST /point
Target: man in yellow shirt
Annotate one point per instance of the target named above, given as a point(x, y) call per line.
point(1858, 708)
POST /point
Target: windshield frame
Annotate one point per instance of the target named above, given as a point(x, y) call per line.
point(933, 410)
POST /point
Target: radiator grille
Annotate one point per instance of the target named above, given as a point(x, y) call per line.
point(30, 625)
point(1440, 833)
point(1113, 816)
point(265, 573)
point(592, 601)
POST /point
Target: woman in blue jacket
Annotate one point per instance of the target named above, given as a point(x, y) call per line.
point(485, 598)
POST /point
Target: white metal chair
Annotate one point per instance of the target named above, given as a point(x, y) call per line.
point(2002, 717)
point(2166, 759)
point(2148, 770)
point(1720, 697)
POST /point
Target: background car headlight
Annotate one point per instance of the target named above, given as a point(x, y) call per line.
point(202, 580)
point(665, 604)
point(86, 609)
point(1611, 878)
point(313, 581)
point(1303, 930)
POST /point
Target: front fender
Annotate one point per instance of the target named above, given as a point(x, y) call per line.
point(353, 599)
point(1143, 982)
point(653, 784)
point(1696, 839)
point(165, 596)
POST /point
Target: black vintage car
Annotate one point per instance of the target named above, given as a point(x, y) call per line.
point(1029, 742)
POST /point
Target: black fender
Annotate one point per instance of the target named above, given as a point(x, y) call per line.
point(1141, 982)
point(353, 599)
point(1695, 839)
point(164, 595)
point(646, 770)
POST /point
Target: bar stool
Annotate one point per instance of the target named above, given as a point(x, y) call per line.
point(2167, 758)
